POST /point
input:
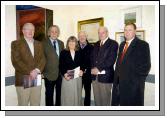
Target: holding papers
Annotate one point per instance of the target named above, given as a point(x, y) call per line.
point(102, 72)
point(73, 74)
point(29, 82)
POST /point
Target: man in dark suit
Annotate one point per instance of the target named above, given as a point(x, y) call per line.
point(53, 80)
point(102, 60)
point(132, 67)
point(85, 51)
point(28, 60)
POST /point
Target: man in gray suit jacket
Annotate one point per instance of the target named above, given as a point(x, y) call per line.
point(52, 49)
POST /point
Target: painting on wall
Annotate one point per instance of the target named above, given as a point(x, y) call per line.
point(42, 19)
point(133, 15)
point(91, 28)
point(130, 17)
point(119, 36)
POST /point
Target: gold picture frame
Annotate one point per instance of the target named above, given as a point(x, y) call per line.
point(91, 26)
point(119, 36)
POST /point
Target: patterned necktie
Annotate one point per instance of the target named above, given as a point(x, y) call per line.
point(124, 51)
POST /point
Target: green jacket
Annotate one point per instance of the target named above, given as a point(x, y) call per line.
point(51, 70)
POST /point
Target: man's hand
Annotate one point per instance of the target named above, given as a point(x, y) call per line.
point(81, 73)
point(66, 76)
point(94, 71)
point(34, 74)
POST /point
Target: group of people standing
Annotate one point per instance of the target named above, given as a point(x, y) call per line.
point(123, 85)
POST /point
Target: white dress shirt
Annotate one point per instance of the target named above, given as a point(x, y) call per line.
point(30, 45)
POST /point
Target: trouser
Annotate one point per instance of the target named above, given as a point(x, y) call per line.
point(30, 95)
point(102, 93)
point(86, 83)
point(50, 87)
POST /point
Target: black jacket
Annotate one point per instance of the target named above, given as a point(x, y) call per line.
point(86, 58)
point(67, 63)
point(131, 73)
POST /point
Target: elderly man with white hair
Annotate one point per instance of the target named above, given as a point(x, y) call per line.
point(103, 59)
point(28, 59)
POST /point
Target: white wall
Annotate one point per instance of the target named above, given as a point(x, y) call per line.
point(66, 17)
point(10, 35)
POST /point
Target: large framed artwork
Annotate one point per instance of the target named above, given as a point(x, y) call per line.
point(42, 19)
point(119, 36)
point(91, 28)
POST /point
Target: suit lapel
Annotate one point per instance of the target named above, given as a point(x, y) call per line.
point(59, 44)
point(27, 49)
point(120, 52)
point(130, 48)
point(51, 46)
point(36, 48)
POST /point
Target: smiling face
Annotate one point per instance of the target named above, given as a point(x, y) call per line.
point(72, 45)
point(129, 32)
point(54, 32)
point(103, 33)
point(82, 37)
point(28, 31)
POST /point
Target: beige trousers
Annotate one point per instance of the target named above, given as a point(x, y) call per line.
point(102, 93)
point(30, 95)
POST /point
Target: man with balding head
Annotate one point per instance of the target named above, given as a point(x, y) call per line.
point(28, 59)
point(103, 59)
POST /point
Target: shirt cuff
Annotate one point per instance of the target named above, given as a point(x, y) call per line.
point(37, 70)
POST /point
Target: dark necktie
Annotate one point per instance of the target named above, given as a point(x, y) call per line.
point(101, 43)
point(54, 44)
point(124, 51)
point(82, 46)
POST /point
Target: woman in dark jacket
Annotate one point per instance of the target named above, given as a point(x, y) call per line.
point(71, 91)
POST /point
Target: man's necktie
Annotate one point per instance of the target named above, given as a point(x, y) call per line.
point(54, 44)
point(101, 43)
point(124, 51)
point(82, 46)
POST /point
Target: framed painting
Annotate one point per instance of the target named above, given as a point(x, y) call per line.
point(42, 19)
point(119, 36)
point(91, 28)
point(133, 15)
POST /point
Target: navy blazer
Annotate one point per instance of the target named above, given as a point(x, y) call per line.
point(104, 58)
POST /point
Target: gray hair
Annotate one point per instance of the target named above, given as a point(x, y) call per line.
point(102, 27)
point(83, 32)
point(56, 26)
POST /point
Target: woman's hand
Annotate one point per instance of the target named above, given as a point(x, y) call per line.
point(81, 73)
point(66, 77)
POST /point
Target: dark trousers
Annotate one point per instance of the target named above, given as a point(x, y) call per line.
point(86, 83)
point(50, 87)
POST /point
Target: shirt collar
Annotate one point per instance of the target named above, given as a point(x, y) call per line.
point(53, 40)
point(105, 40)
point(129, 41)
point(29, 41)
